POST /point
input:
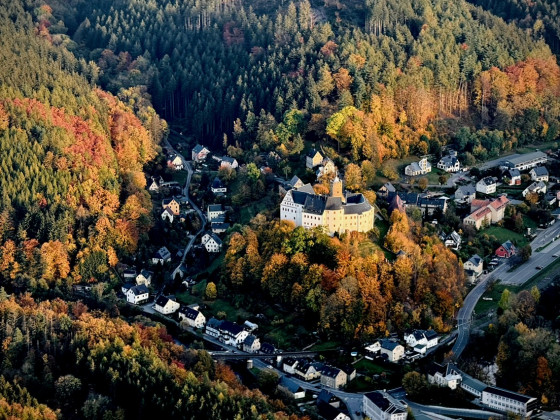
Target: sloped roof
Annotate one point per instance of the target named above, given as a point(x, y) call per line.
point(290, 384)
point(540, 171)
point(199, 148)
point(475, 259)
point(189, 313)
point(499, 202)
point(139, 290)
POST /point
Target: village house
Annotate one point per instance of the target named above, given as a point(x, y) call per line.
point(539, 173)
point(333, 377)
point(175, 162)
point(327, 397)
point(251, 344)
point(155, 184)
point(213, 327)
point(211, 242)
point(338, 212)
point(165, 305)
point(327, 168)
point(485, 212)
point(513, 177)
point(328, 412)
point(506, 250)
point(218, 186)
point(171, 204)
point(145, 278)
point(161, 256)
point(215, 211)
point(267, 348)
point(385, 190)
point(137, 294)
point(392, 349)
point(465, 193)
point(453, 241)
point(427, 338)
point(509, 402)
point(421, 167)
point(229, 162)
point(219, 227)
point(486, 185)
point(193, 317)
point(526, 161)
point(291, 387)
point(167, 215)
point(427, 203)
point(449, 163)
point(308, 370)
point(289, 365)
point(129, 274)
point(473, 267)
point(232, 333)
point(444, 376)
point(378, 405)
point(199, 153)
point(537, 187)
point(550, 199)
point(313, 159)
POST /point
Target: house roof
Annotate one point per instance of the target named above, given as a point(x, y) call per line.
point(477, 203)
point(215, 207)
point(231, 327)
point(267, 348)
point(217, 183)
point(327, 397)
point(290, 384)
point(385, 402)
point(330, 371)
point(526, 158)
point(540, 171)
point(139, 290)
point(220, 226)
point(294, 181)
point(514, 173)
point(389, 187)
point(167, 201)
point(189, 313)
point(199, 148)
point(389, 345)
point(500, 202)
point(250, 339)
point(487, 181)
point(168, 211)
point(128, 286)
point(466, 190)
point(430, 334)
point(455, 237)
point(356, 204)
point(229, 159)
point(327, 411)
point(448, 161)
point(213, 323)
point(480, 213)
point(162, 300)
point(312, 153)
point(475, 259)
point(508, 246)
point(215, 238)
point(146, 273)
point(508, 394)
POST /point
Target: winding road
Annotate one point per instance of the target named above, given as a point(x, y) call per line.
point(187, 198)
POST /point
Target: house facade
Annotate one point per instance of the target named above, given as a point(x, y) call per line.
point(232, 333)
point(465, 193)
point(474, 264)
point(175, 162)
point(313, 159)
point(161, 256)
point(211, 242)
point(307, 370)
point(486, 185)
point(513, 176)
point(337, 212)
point(392, 349)
point(171, 204)
point(449, 163)
point(218, 187)
point(192, 317)
point(506, 250)
point(421, 167)
point(486, 212)
point(537, 187)
point(444, 376)
point(539, 173)
point(199, 153)
point(251, 344)
point(215, 211)
point(379, 405)
point(165, 305)
point(145, 278)
point(333, 377)
point(229, 162)
point(137, 294)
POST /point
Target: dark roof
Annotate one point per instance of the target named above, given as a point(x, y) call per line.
point(384, 403)
point(162, 300)
point(488, 180)
point(315, 204)
point(388, 344)
point(313, 152)
point(231, 327)
point(267, 348)
point(189, 313)
point(290, 385)
point(327, 397)
point(508, 394)
point(356, 204)
point(389, 187)
point(250, 340)
point(146, 273)
point(128, 286)
point(348, 369)
point(228, 159)
point(430, 334)
point(217, 183)
point(540, 171)
point(220, 226)
point(139, 290)
point(508, 246)
point(475, 259)
point(327, 411)
point(215, 207)
point(214, 323)
point(436, 368)
point(198, 148)
point(514, 172)
point(333, 203)
point(330, 371)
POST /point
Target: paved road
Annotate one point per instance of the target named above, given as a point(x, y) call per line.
point(540, 258)
point(187, 199)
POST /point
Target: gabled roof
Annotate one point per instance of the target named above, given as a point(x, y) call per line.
point(514, 173)
point(475, 260)
point(500, 202)
point(146, 273)
point(327, 411)
point(290, 384)
point(189, 313)
point(167, 201)
point(327, 397)
point(139, 290)
point(162, 300)
point(389, 187)
point(481, 213)
point(294, 181)
point(388, 344)
point(540, 171)
point(250, 340)
point(508, 246)
point(313, 152)
point(518, 160)
point(487, 181)
point(215, 207)
point(199, 148)
point(430, 334)
point(466, 190)
point(213, 323)
point(231, 327)
point(267, 348)
point(385, 402)
point(229, 159)
point(217, 183)
point(330, 371)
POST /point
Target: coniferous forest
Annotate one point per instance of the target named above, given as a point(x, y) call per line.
point(88, 93)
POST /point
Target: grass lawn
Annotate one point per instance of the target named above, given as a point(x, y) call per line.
point(361, 384)
point(529, 223)
point(180, 177)
point(433, 177)
point(246, 213)
point(503, 234)
point(542, 146)
point(327, 345)
point(369, 368)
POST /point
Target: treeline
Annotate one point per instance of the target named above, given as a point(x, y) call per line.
point(345, 289)
point(416, 70)
point(528, 356)
point(86, 365)
point(73, 197)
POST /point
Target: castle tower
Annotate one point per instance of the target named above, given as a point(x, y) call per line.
point(336, 188)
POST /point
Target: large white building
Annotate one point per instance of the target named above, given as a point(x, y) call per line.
point(526, 161)
point(508, 401)
point(338, 212)
point(379, 405)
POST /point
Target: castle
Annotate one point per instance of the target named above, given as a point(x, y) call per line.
point(338, 212)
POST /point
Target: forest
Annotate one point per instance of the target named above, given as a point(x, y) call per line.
point(346, 289)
